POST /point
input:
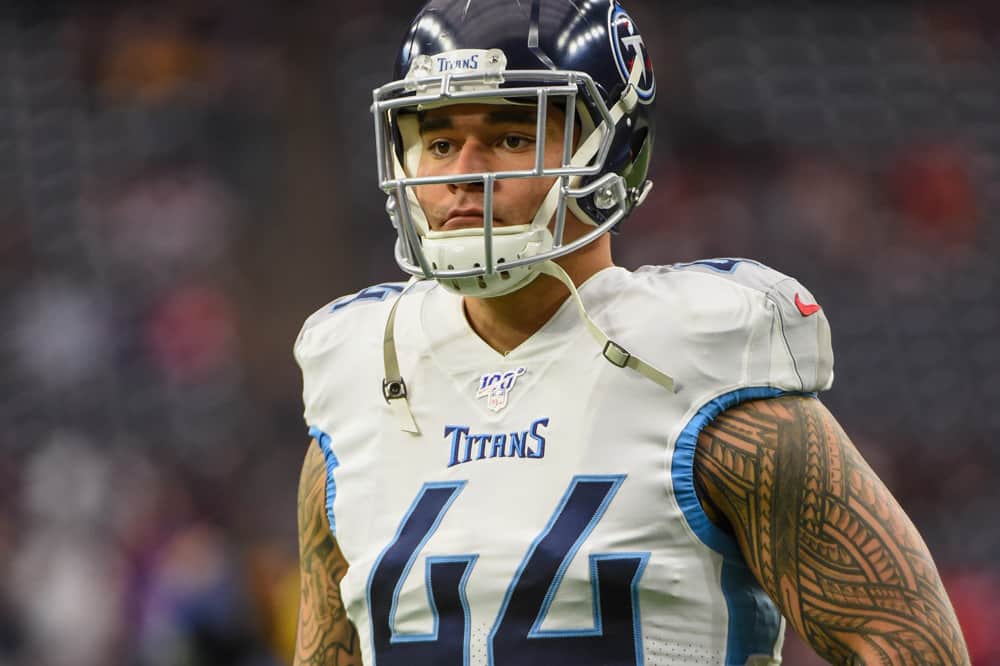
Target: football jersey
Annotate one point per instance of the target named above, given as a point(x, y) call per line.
point(546, 512)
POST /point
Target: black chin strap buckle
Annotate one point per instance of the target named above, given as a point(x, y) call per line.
point(393, 389)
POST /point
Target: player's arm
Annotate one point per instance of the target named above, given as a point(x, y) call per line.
point(325, 636)
point(825, 537)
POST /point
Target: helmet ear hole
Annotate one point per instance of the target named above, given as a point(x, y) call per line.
point(639, 152)
point(638, 141)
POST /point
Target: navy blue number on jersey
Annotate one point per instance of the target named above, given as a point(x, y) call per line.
point(720, 265)
point(517, 637)
point(448, 642)
point(377, 293)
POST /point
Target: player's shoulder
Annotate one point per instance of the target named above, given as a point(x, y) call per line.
point(724, 274)
point(745, 312)
point(352, 316)
point(724, 284)
point(355, 307)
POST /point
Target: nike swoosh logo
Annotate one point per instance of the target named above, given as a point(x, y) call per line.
point(806, 309)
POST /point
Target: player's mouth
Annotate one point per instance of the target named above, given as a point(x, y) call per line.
point(468, 218)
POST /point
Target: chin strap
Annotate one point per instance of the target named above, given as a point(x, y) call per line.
point(612, 351)
point(393, 386)
point(629, 98)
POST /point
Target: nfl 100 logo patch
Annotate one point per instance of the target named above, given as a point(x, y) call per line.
point(496, 387)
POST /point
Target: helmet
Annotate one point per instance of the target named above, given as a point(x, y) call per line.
point(583, 56)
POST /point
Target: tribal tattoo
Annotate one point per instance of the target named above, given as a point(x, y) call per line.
point(825, 537)
point(326, 636)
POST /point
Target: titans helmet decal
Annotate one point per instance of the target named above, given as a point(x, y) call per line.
point(627, 44)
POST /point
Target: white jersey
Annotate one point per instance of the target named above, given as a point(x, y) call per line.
point(546, 513)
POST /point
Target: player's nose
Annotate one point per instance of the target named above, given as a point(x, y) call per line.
point(473, 158)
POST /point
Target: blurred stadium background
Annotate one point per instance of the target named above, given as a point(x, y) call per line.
point(182, 182)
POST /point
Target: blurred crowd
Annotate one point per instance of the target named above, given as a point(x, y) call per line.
point(182, 183)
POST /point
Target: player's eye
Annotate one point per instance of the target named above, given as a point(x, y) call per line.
point(440, 147)
point(516, 142)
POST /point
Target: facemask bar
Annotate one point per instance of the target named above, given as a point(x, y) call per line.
point(382, 107)
point(452, 88)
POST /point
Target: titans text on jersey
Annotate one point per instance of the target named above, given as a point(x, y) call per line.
point(466, 447)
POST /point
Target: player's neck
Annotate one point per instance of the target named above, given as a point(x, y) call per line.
point(506, 321)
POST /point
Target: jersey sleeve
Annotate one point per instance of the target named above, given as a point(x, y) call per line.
point(334, 349)
point(801, 350)
point(314, 351)
point(794, 351)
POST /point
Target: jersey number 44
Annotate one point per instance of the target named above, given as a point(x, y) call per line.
point(517, 637)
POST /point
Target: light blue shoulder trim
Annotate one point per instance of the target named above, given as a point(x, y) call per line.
point(682, 468)
point(754, 620)
point(325, 444)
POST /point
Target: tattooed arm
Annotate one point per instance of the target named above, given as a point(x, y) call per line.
point(325, 636)
point(824, 536)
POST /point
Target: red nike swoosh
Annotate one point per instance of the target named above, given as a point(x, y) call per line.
point(806, 308)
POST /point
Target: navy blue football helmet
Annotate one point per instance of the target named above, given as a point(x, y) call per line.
point(583, 56)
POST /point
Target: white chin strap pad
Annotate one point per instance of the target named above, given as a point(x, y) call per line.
point(468, 252)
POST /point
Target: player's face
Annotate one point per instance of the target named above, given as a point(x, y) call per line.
point(476, 138)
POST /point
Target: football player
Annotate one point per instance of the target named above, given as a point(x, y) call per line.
point(527, 455)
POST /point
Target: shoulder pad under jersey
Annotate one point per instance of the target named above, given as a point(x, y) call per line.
point(800, 352)
point(340, 337)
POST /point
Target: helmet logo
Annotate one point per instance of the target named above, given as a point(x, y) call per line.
point(627, 44)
